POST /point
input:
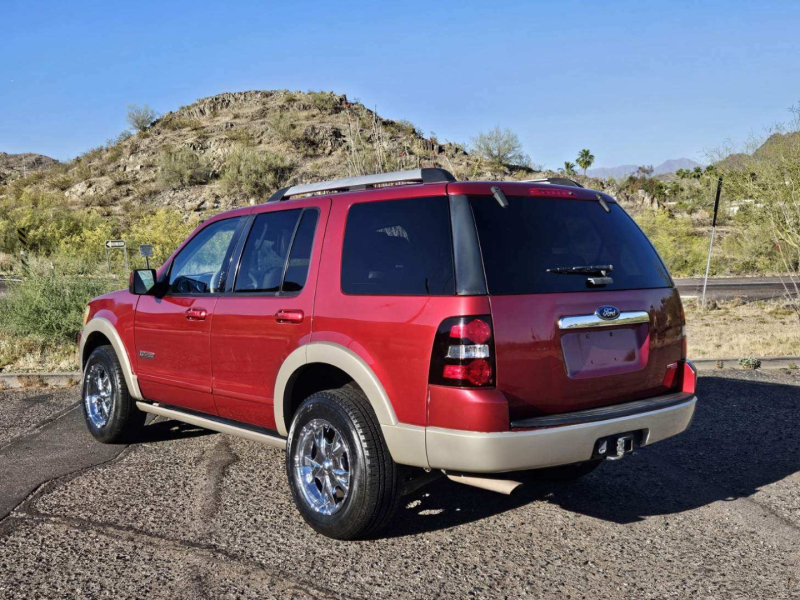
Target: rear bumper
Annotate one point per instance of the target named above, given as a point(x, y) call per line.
point(473, 452)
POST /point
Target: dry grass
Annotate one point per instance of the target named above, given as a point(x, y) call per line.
point(736, 330)
point(27, 355)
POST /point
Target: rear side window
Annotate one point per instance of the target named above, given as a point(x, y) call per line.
point(399, 247)
point(522, 241)
point(264, 258)
point(300, 256)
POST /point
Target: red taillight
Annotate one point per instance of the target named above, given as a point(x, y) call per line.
point(477, 331)
point(463, 354)
point(551, 192)
point(681, 376)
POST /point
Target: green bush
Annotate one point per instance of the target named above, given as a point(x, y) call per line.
point(49, 306)
point(141, 117)
point(253, 173)
point(182, 167)
point(681, 248)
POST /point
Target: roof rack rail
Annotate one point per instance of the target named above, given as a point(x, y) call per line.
point(362, 183)
point(556, 181)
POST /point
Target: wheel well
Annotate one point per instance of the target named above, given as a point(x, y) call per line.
point(94, 341)
point(310, 379)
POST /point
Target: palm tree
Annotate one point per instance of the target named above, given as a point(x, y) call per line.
point(585, 160)
point(569, 168)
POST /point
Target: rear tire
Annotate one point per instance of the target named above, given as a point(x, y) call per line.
point(108, 409)
point(343, 479)
point(566, 473)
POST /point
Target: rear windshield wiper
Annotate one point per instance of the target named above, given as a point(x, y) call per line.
point(601, 270)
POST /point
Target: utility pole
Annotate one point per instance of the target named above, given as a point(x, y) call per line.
point(711, 243)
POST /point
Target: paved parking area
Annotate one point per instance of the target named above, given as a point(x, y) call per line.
point(714, 513)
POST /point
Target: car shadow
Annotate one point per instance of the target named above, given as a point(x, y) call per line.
point(166, 430)
point(745, 435)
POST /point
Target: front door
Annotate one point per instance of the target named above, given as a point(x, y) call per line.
point(173, 332)
point(268, 310)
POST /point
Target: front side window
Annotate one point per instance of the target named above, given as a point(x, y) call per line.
point(200, 266)
point(399, 247)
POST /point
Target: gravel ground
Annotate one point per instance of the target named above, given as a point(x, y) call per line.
point(25, 410)
point(713, 513)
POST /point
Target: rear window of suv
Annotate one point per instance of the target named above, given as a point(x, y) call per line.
point(399, 247)
point(531, 235)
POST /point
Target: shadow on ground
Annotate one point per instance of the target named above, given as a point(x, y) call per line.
point(745, 435)
point(168, 430)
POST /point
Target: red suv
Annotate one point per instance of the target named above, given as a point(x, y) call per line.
point(386, 326)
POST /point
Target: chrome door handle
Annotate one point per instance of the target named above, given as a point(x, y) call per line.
point(196, 314)
point(289, 316)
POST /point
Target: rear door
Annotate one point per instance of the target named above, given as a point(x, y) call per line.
point(268, 309)
point(568, 340)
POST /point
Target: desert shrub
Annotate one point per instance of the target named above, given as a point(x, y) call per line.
point(240, 135)
point(165, 229)
point(254, 173)
point(407, 127)
point(500, 147)
point(324, 102)
point(281, 125)
point(683, 251)
point(140, 117)
point(181, 167)
point(46, 216)
point(49, 306)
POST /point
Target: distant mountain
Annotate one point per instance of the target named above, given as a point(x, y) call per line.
point(668, 166)
point(13, 166)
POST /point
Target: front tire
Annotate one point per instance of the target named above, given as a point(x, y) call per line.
point(343, 479)
point(108, 409)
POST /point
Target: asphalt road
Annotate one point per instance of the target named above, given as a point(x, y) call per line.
point(726, 288)
point(713, 513)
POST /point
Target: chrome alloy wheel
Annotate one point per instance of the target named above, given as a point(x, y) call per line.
point(322, 466)
point(98, 395)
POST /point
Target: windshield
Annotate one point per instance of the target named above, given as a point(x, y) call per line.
point(529, 246)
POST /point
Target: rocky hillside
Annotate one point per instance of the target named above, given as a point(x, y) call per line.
point(236, 148)
point(15, 166)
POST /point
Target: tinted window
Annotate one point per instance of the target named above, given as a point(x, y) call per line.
point(521, 242)
point(399, 247)
point(300, 256)
point(264, 256)
point(198, 269)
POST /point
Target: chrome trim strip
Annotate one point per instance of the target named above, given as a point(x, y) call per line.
point(603, 413)
point(213, 424)
point(587, 321)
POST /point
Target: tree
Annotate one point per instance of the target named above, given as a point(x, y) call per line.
point(568, 168)
point(645, 171)
point(500, 147)
point(141, 117)
point(585, 160)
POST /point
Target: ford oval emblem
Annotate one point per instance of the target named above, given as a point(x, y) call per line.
point(607, 313)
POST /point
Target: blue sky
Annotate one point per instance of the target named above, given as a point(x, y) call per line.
point(636, 82)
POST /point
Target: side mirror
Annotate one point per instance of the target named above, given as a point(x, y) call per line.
point(142, 282)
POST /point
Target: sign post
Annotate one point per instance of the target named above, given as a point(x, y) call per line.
point(711, 243)
point(146, 250)
point(116, 244)
point(22, 236)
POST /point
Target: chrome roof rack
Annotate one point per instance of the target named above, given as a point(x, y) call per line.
point(362, 183)
point(556, 181)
